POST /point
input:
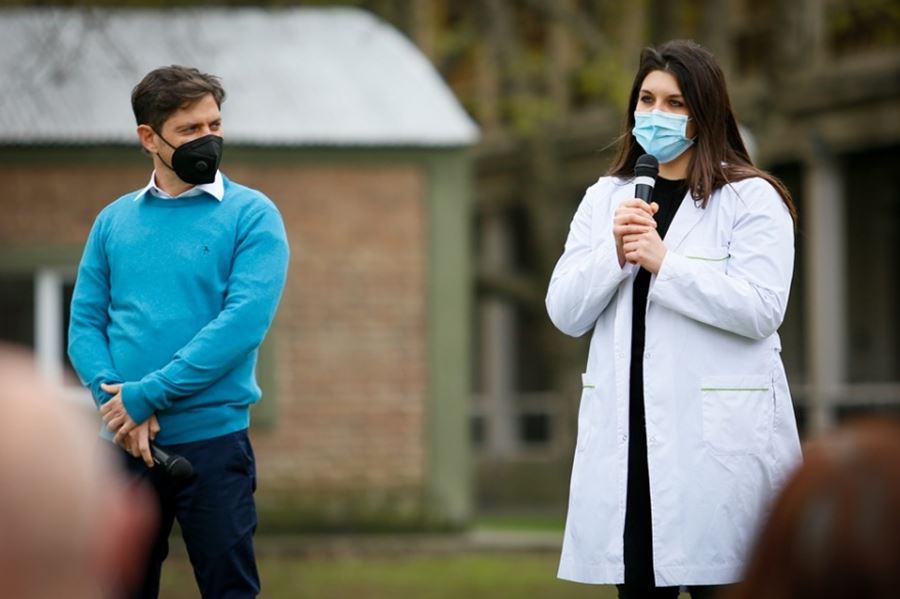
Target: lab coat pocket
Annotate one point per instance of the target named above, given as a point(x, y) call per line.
point(738, 412)
point(585, 426)
point(713, 256)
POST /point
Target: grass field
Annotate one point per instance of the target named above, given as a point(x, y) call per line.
point(466, 576)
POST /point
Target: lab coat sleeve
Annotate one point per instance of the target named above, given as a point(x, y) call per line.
point(587, 275)
point(750, 296)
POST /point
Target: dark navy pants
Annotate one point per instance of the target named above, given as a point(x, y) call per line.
point(215, 511)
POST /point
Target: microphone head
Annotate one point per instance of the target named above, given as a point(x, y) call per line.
point(646, 166)
point(179, 468)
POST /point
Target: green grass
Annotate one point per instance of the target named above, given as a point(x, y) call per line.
point(467, 576)
point(522, 523)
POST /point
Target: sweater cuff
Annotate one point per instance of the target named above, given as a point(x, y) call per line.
point(100, 396)
point(138, 401)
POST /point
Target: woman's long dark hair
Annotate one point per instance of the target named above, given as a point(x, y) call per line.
point(720, 156)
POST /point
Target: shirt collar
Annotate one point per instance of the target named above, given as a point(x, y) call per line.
point(216, 189)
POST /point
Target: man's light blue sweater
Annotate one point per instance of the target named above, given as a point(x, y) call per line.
point(173, 298)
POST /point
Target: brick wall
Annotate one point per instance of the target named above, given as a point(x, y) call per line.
point(43, 205)
point(350, 334)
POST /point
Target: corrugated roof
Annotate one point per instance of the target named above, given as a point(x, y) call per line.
point(300, 76)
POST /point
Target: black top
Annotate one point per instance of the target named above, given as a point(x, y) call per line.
point(668, 194)
point(638, 533)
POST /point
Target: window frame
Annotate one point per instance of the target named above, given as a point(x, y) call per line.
point(50, 269)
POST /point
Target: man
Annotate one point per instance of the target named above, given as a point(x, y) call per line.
point(69, 525)
point(177, 287)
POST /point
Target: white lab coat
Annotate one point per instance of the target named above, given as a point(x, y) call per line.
point(721, 432)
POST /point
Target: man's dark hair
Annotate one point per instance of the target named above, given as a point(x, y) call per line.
point(166, 89)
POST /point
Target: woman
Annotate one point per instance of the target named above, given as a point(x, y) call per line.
point(686, 428)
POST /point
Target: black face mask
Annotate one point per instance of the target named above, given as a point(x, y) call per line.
point(196, 161)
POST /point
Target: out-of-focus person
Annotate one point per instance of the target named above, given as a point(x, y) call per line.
point(834, 532)
point(69, 525)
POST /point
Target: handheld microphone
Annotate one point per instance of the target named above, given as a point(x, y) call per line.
point(645, 170)
point(175, 466)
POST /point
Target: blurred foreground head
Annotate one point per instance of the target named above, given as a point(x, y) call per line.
point(835, 530)
point(69, 525)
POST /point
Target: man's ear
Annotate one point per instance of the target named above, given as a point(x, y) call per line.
point(147, 138)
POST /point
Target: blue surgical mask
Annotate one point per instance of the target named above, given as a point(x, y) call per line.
point(662, 134)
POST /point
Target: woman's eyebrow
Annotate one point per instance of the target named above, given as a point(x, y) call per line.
point(647, 91)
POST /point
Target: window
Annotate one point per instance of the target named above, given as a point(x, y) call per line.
point(34, 312)
point(873, 279)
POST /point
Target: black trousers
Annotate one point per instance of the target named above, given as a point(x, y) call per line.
point(216, 512)
point(697, 592)
point(638, 537)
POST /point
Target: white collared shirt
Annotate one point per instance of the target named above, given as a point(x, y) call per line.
point(216, 189)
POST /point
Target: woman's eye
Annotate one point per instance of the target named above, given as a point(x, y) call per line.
point(646, 99)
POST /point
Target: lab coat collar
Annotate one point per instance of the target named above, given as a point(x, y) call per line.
point(685, 219)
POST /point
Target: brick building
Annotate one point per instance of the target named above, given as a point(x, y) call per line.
point(341, 121)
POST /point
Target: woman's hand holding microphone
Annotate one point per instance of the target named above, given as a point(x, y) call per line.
point(637, 241)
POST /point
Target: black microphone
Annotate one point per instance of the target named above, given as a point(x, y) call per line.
point(175, 466)
point(645, 170)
